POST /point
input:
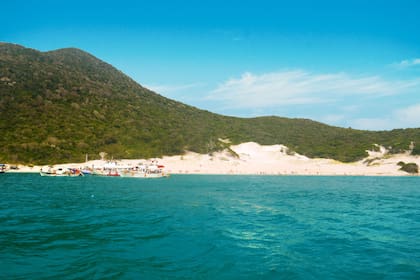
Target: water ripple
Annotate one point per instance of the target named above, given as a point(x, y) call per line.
point(206, 227)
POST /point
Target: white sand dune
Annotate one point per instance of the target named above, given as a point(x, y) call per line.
point(252, 158)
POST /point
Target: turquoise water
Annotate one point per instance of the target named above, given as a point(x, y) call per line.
point(208, 227)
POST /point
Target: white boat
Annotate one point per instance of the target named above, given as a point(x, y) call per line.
point(105, 172)
point(109, 169)
point(60, 172)
point(144, 171)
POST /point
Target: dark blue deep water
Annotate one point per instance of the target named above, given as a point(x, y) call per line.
point(209, 227)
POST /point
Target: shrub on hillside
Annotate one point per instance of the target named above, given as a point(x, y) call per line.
point(411, 167)
point(415, 151)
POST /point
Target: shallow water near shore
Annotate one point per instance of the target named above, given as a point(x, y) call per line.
point(207, 227)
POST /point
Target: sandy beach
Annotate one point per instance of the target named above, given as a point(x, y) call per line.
point(252, 158)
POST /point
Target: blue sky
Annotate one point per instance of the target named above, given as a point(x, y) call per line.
point(345, 63)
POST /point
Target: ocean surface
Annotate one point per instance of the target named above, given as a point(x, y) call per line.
point(209, 227)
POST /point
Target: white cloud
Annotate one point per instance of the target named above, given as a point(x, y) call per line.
point(361, 102)
point(409, 115)
point(408, 63)
point(286, 88)
point(399, 118)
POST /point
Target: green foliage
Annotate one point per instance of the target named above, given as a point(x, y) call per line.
point(59, 106)
point(411, 167)
point(415, 151)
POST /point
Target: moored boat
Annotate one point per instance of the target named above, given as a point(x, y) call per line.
point(109, 169)
point(60, 172)
point(152, 170)
point(106, 172)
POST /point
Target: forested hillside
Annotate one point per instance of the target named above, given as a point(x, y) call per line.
point(58, 106)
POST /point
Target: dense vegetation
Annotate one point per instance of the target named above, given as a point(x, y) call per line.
point(58, 106)
point(411, 167)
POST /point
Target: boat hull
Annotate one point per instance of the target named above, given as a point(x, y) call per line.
point(48, 174)
point(141, 175)
point(61, 172)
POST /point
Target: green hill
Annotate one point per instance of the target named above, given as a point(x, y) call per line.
point(58, 106)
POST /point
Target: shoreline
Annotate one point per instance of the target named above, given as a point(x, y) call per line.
point(257, 175)
point(254, 159)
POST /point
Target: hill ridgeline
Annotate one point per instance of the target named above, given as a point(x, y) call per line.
point(60, 105)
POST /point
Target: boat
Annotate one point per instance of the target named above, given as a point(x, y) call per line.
point(75, 172)
point(105, 172)
point(60, 172)
point(2, 168)
point(152, 170)
point(87, 171)
point(110, 169)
